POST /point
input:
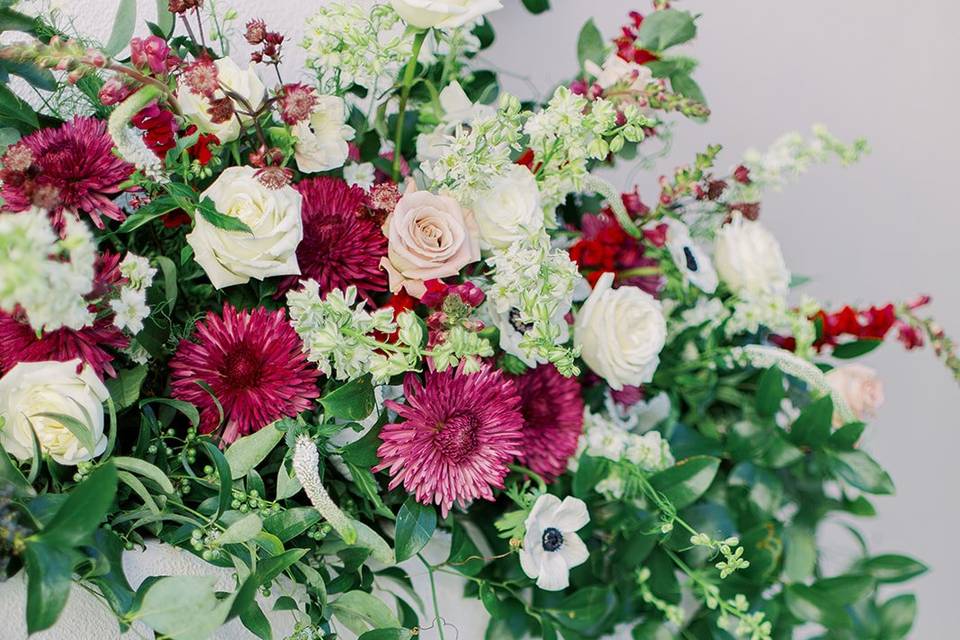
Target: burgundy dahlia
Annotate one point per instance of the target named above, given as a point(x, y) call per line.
point(459, 433)
point(254, 364)
point(341, 246)
point(552, 409)
point(73, 169)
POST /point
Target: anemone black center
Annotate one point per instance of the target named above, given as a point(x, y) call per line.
point(517, 323)
point(552, 539)
point(691, 260)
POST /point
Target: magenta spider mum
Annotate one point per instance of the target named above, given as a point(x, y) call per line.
point(73, 170)
point(252, 362)
point(341, 246)
point(552, 409)
point(460, 431)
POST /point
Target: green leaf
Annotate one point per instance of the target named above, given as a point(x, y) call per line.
point(287, 483)
point(590, 44)
point(846, 589)
point(139, 488)
point(289, 523)
point(897, 615)
point(124, 24)
point(11, 20)
point(147, 470)
point(49, 572)
point(811, 605)
point(770, 392)
point(183, 607)
point(256, 622)
point(386, 634)
point(8, 136)
point(856, 348)
point(465, 557)
point(185, 408)
point(861, 471)
point(415, 526)
point(16, 113)
point(892, 568)
point(799, 554)
point(351, 401)
point(125, 388)
point(78, 428)
point(357, 610)
point(209, 213)
point(164, 17)
point(36, 76)
point(169, 271)
point(223, 470)
point(11, 476)
point(687, 87)
point(249, 451)
point(78, 517)
point(689, 479)
point(763, 487)
point(150, 211)
point(847, 436)
point(536, 6)
point(590, 471)
point(812, 426)
point(666, 28)
point(585, 607)
point(243, 530)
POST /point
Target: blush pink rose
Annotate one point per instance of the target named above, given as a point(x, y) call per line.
point(429, 237)
point(860, 387)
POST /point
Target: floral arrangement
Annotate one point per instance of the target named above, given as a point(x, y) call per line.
point(300, 329)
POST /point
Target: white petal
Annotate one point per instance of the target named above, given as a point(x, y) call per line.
point(542, 514)
point(571, 515)
point(554, 573)
point(530, 559)
point(573, 551)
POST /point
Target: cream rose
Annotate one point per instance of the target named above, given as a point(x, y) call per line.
point(443, 13)
point(243, 82)
point(510, 210)
point(620, 333)
point(32, 397)
point(269, 249)
point(322, 140)
point(429, 236)
point(748, 258)
point(860, 388)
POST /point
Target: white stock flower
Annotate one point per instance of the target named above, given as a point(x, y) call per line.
point(620, 333)
point(130, 310)
point(276, 228)
point(32, 397)
point(616, 70)
point(457, 110)
point(443, 14)
point(641, 416)
point(322, 139)
point(359, 175)
point(243, 82)
point(692, 261)
point(551, 546)
point(137, 270)
point(510, 210)
point(749, 259)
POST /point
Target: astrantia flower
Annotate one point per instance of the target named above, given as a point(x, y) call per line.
point(460, 431)
point(340, 246)
point(73, 169)
point(551, 546)
point(552, 411)
point(254, 364)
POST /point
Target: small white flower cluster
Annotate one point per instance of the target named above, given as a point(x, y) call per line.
point(46, 276)
point(130, 307)
point(707, 313)
point(565, 135)
point(352, 44)
point(132, 148)
point(790, 156)
point(751, 312)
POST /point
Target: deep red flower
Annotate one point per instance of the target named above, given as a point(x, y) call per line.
point(627, 42)
point(909, 336)
point(159, 126)
point(73, 169)
point(606, 247)
point(341, 246)
point(200, 150)
point(254, 364)
point(552, 409)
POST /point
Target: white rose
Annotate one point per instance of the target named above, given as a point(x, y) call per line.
point(621, 333)
point(860, 388)
point(749, 259)
point(443, 13)
point(510, 210)
point(244, 82)
point(33, 394)
point(322, 139)
point(273, 215)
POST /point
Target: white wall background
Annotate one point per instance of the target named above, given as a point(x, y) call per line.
point(884, 229)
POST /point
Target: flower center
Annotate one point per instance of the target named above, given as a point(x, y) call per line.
point(552, 539)
point(517, 323)
point(241, 367)
point(691, 260)
point(457, 438)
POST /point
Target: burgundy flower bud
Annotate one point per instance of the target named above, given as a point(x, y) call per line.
point(256, 31)
point(741, 174)
point(221, 110)
point(715, 189)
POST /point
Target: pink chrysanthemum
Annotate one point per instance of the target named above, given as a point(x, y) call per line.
point(460, 432)
point(552, 409)
point(341, 246)
point(73, 170)
point(253, 361)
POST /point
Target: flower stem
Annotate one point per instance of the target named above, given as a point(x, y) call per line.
point(404, 96)
point(433, 593)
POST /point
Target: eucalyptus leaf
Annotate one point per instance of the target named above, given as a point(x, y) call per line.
point(666, 28)
point(243, 530)
point(590, 44)
point(183, 607)
point(147, 470)
point(124, 24)
point(249, 451)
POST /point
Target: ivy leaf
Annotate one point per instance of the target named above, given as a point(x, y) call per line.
point(664, 29)
point(415, 526)
point(590, 44)
point(689, 479)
